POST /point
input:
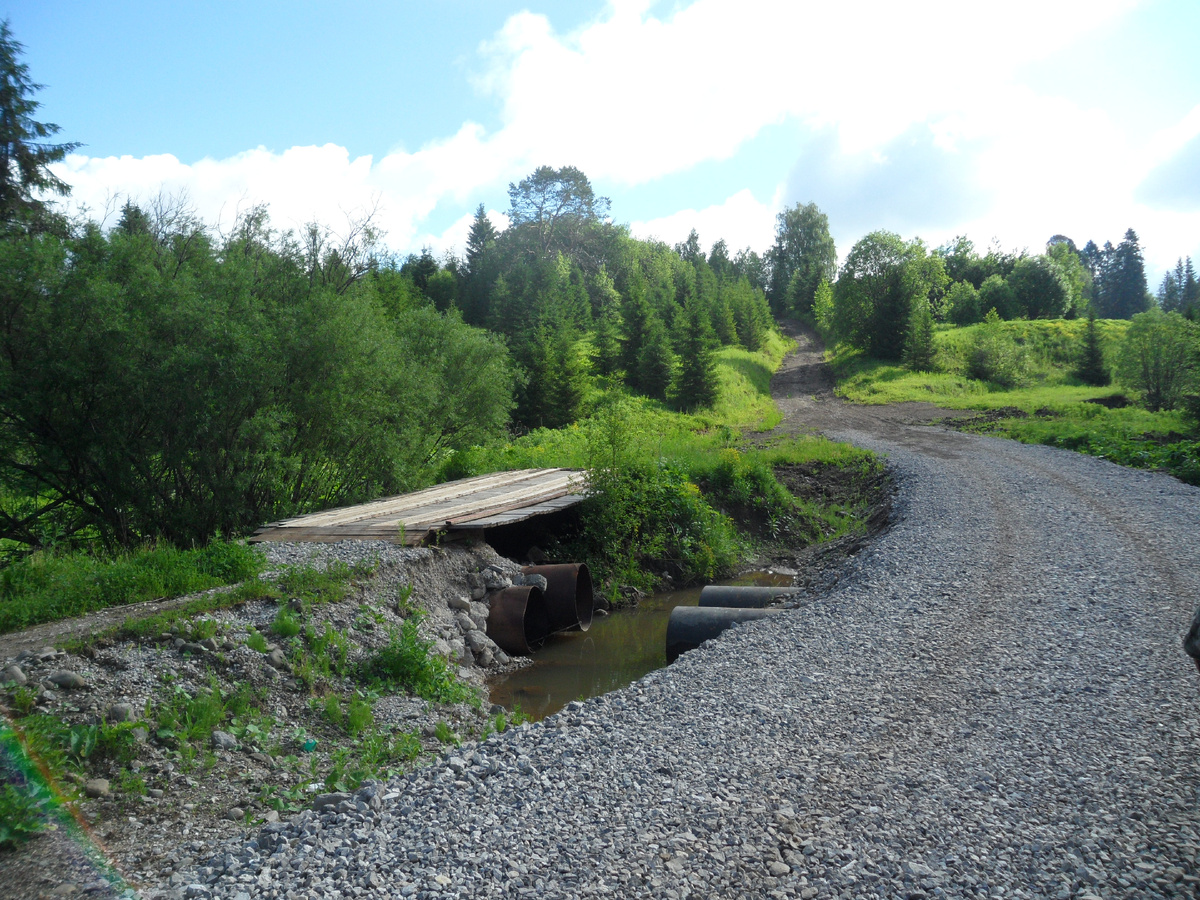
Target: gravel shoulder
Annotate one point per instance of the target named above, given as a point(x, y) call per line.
point(991, 702)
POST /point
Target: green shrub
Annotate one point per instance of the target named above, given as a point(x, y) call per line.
point(639, 518)
point(995, 356)
point(286, 625)
point(406, 663)
point(1158, 358)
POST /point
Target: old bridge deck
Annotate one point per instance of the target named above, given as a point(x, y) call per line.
point(466, 505)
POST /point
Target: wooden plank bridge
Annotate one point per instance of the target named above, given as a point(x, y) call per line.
point(467, 505)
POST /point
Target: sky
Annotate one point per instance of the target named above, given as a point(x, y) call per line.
point(931, 118)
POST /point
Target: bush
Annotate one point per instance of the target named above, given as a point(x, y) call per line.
point(1158, 358)
point(651, 516)
point(995, 357)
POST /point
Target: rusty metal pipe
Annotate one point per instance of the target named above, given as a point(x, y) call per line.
point(691, 626)
point(517, 619)
point(741, 597)
point(569, 595)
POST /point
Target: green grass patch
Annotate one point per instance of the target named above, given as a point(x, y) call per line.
point(1054, 403)
point(48, 586)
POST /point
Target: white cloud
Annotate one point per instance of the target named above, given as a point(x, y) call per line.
point(634, 96)
point(742, 221)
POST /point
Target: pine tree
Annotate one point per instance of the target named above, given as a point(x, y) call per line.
point(919, 351)
point(608, 347)
point(656, 363)
point(482, 269)
point(25, 155)
point(696, 386)
point(1091, 368)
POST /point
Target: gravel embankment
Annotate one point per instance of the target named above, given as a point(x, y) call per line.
point(994, 703)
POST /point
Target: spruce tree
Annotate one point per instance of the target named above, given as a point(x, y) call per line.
point(656, 363)
point(25, 154)
point(1091, 368)
point(919, 352)
point(697, 383)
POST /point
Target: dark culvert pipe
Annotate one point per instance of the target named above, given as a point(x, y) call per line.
point(741, 597)
point(691, 626)
point(569, 595)
point(518, 620)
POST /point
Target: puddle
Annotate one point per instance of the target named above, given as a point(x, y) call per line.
point(618, 649)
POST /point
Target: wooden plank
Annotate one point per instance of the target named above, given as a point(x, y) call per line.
point(403, 502)
point(520, 515)
point(493, 501)
point(503, 497)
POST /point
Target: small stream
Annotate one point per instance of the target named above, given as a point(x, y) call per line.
point(618, 649)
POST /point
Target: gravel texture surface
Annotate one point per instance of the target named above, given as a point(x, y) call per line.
point(993, 702)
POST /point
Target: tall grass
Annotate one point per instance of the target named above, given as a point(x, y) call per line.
point(48, 586)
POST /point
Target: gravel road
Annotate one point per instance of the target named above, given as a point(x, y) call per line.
point(993, 702)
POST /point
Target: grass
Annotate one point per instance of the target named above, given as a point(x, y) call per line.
point(48, 586)
point(1052, 405)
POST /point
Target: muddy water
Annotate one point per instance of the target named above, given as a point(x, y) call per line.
point(618, 649)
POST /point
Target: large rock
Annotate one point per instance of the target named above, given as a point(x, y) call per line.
point(459, 604)
point(277, 660)
point(223, 740)
point(494, 579)
point(478, 641)
point(323, 800)
point(97, 788)
point(464, 622)
point(69, 681)
point(14, 675)
point(120, 712)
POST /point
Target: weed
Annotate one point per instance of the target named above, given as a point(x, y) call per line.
point(202, 629)
point(404, 604)
point(359, 716)
point(26, 801)
point(21, 814)
point(444, 733)
point(333, 710)
point(255, 641)
point(132, 784)
point(286, 625)
point(23, 700)
point(406, 662)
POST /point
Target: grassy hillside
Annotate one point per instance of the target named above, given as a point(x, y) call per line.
point(1048, 405)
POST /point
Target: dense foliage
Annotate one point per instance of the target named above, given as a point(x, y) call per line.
point(162, 381)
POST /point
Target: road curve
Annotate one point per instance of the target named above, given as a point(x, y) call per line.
point(992, 703)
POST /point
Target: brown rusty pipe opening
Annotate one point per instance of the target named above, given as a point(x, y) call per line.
point(518, 620)
point(569, 595)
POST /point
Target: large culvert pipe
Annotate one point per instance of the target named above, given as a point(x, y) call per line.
point(569, 595)
point(517, 619)
point(691, 626)
point(741, 597)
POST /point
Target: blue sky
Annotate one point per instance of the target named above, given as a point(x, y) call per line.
point(928, 118)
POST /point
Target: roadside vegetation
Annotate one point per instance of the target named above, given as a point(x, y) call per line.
point(1066, 348)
